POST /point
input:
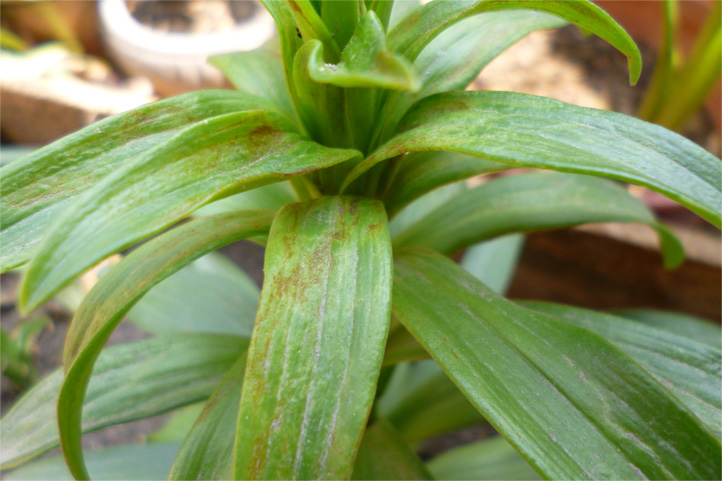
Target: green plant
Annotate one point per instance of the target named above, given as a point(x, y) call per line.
point(16, 351)
point(680, 85)
point(360, 111)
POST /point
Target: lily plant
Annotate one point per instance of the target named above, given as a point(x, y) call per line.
point(360, 107)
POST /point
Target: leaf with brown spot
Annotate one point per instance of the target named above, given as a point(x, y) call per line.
point(213, 159)
point(318, 342)
point(39, 187)
point(116, 293)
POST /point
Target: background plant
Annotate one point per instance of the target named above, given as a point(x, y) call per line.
point(360, 109)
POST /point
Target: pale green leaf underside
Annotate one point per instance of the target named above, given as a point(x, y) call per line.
point(493, 458)
point(39, 187)
point(685, 325)
point(421, 402)
point(271, 197)
point(494, 262)
point(210, 295)
point(529, 202)
point(217, 157)
point(422, 207)
point(414, 32)
point(141, 462)
point(383, 454)
point(178, 425)
point(552, 388)
point(116, 292)
point(690, 370)
point(131, 381)
point(423, 172)
point(207, 451)
point(318, 342)
point(528, 131)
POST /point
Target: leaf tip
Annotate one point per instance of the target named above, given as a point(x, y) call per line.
point(634, 63)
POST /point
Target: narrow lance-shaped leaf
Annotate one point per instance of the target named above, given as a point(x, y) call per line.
point(455, 58)
point(341, 18)
point(37, 188)
point(215, 158)
point(178, 425)
point(491, 459)
point(318, 342)
point(688, 326)
point(258, 72)
point(210, 295)
point(422, 207)
point(550, 387)
point(207, 451)
point(132, 381)
point(528, 131)
point(287, 33)
point(366, 62)
point(421, 402)
point(116, 292)
point(494, 261)
point(383, 454)
point(141, 462)
point(310, 26)
point(690, 370)
point(413, 33)
point(271, 197)
point(529, 202)
point(320, 106)
point(423, 172)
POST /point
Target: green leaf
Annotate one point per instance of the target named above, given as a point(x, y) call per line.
point(116, 292)
point(341, 18)
point(365, 62)
point(569, 401)
point(419, 209)
point(422, 402)
point(318, 343)
point(401, 346)
point(491, 459)
point(258, 72)
point(400, 10)
point(455, 58)
point(529, 202)
point(660, 84)
point(685, 325)
point(494, 262)
point(207, 451)
point(422, 172)
point(288, 35)
point(320, 106)
point(311, 27)
point(16, 350)
point(690, 370)
point(142, 462)
point(271, 197)
point(178, 425)
point(215, 158)
point(413, 33)
point(209, 295)
point(132, 381)
point(383, 9)
point(383, 454)
point(37, 188)
point(528, 131)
